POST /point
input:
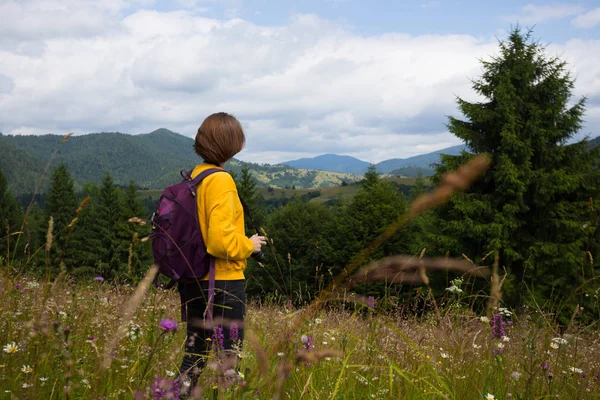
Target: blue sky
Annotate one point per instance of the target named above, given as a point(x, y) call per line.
point(376, 17)
point(370, 79)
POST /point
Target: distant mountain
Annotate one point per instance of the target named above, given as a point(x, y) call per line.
point(331, 162)
point(423, 161)
point(151, 160)
point(397, 166)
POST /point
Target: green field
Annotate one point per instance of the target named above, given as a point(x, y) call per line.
point(327, 194)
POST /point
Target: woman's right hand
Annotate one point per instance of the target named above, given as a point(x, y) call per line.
point(257, 241)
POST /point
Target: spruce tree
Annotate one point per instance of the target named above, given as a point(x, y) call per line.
point(61, 206)
point(532, 204)
point(246, 187)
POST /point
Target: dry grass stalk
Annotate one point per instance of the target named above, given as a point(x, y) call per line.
point(495, 294)
point(49, 235)
point(408, 269)
point(134, 302)
point(316, 356)
point(7, 242)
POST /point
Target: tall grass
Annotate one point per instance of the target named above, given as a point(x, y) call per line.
point(80, 343)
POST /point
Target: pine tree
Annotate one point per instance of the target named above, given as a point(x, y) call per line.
point(246, 187)
point(61, 206)
point(531, 205)
point(86, 240)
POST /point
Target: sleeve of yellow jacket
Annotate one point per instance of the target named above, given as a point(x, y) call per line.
point(224, 239)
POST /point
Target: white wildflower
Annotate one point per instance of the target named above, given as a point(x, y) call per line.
point(576, 370)
point(11, 348)
point(559, 340)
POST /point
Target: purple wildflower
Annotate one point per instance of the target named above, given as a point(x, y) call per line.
point(497, 352)
point(99, 279)
point(371, 302)
point(165, 389)
point(234, 332)
point(168, 325)
point(18, 286)
point(91, 338)
point(307, 340)
point(498, 325)
point(218, 337)
point(544, 366)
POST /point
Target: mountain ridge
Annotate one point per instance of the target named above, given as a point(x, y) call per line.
point(152, 160)
point(344, 163)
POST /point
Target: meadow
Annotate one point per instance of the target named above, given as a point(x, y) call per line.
point(95, 340)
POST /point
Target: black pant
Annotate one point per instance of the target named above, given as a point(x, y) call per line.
point(229, 309)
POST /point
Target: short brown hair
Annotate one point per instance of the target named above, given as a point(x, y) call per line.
point(219, 138)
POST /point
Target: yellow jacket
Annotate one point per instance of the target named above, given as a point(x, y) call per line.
point(221, 218)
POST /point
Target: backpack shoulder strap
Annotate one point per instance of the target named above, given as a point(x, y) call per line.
point(200, 177)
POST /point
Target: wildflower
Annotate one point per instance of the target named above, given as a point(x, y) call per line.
point(99, 279)
point(505, 312)
point(500, 345)
point(165, 389)
point(505, 339)
point(371, 302)
point(445, 355)
point(544, 366)
point(559, 341)
point(91, 338)
point(170, 374)
point(576, 370)
point(498, 351)
point(308, 345)
point(26, 369)
point(217, 336)
point(515, 375)
point(554, 346)
point(17, 286)
point(26, 385)
point(454, 289)
point(476, 346)
point(498, 326)
point(134, 331)
point(234, 332)
point(43, 378)
point(11, 348)
point(485, 320)
point(168, 325)
point(318, 321)
point(280, 354)
point(489, 397)
point(33, 284)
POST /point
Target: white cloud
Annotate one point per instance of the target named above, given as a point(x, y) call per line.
point(587, 20)
point(304, 88)
point(534, 14)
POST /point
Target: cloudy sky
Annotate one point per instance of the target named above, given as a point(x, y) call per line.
point(374, 79)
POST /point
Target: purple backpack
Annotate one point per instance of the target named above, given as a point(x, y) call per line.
point(177, 244)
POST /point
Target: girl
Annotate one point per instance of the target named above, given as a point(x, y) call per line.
point(221, 219)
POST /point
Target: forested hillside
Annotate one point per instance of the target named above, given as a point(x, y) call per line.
point(152, 161)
